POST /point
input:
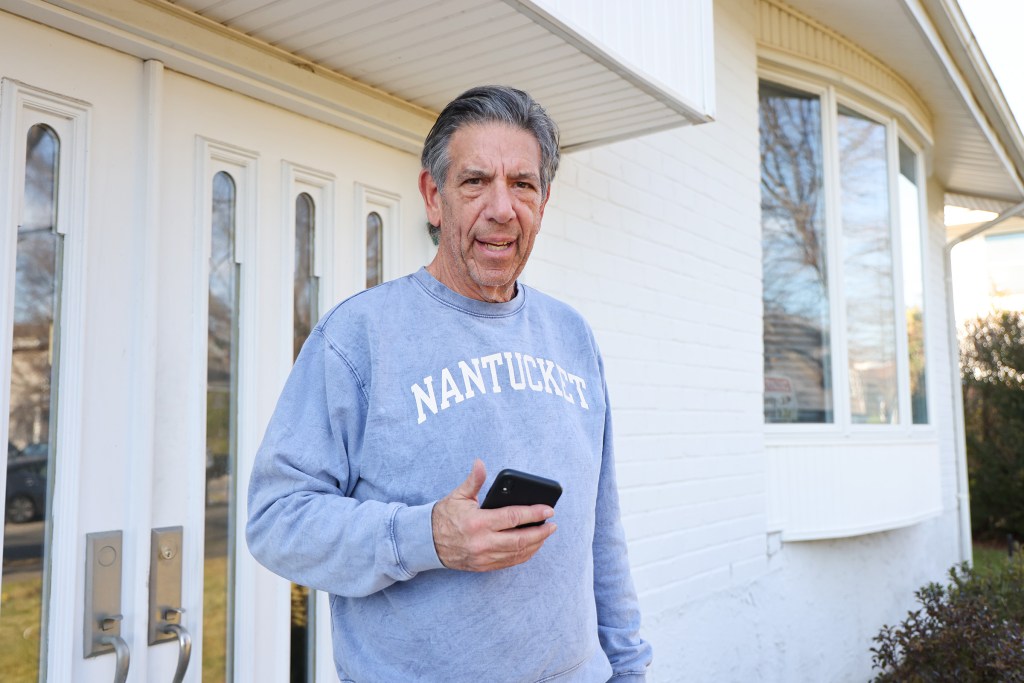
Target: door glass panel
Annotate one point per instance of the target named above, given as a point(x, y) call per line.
point(221, 435)
point(306, 287)
point(867, 269)
point(374, 249)
point(32, 418)
point(306, 313)
point(797, 351)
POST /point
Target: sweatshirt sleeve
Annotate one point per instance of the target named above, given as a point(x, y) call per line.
point(618, 610)
point(303, 523)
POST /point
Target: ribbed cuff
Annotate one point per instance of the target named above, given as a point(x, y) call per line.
point(414, 539)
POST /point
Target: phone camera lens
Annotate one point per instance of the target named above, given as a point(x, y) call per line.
point(506, 487)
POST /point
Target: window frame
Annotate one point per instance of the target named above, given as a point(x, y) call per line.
point(242, 165)
point(388, 205)
point(320, 185)
point(898, 127)
point(21, 107)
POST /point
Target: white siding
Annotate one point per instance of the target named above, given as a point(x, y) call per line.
point(668, 41)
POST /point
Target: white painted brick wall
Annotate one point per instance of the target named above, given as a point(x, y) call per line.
point(657, 242)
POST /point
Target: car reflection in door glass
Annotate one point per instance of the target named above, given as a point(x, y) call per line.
point(26, 484)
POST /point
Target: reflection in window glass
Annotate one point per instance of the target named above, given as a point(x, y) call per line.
point(374, 249)
point(31, 441)
point(305, 284)
point(797, 357)
point(306, 313)
point(913, 280)
point(867, 268)
point(221, 434)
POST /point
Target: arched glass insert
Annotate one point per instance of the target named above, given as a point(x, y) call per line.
point(306, 286)
point(374, 249)
point(31, 445)
point(306, 313)
point(221, 434)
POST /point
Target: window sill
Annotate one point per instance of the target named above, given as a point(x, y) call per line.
point(822, 487)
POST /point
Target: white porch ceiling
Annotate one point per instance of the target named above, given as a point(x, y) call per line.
point(979, 149)
point(427, 51)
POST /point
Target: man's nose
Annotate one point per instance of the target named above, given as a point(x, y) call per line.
point(499, 204)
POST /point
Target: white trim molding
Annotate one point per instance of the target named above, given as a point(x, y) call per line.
point(388, 205)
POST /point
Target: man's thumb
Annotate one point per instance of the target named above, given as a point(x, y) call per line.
point(470, 488)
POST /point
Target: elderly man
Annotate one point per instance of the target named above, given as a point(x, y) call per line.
point(402, 389)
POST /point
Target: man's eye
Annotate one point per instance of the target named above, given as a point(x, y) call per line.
point(473, 181)
point(522, 185)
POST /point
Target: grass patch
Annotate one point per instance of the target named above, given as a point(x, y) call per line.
point(990, 558)
point(19, 627)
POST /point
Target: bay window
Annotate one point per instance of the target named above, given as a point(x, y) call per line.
point(842, 263)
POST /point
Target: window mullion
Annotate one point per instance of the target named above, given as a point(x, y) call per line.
point(834, 241)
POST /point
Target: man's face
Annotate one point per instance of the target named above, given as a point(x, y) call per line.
point(489, 210)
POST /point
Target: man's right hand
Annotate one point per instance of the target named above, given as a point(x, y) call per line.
point(476, 540)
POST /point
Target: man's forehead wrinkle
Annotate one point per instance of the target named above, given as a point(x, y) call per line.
point(524, 175)
point(474, 172)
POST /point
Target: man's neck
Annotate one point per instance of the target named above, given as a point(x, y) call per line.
point(492, 295)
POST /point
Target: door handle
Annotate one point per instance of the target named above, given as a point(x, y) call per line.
point(103, 600)
point(165, 612)
point(122, 654)
point(184, 646)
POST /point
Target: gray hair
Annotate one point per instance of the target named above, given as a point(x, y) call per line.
point(491, 104)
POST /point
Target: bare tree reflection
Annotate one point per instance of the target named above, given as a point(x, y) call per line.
point(867, 268)
point(33, 392)
point(305, 282)
point(306, 312)
point(221, 429)
point(374, 249)
point(222, 338)
point(35, 292)
point(796, 313)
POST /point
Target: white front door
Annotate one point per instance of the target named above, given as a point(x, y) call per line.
point(165, 245)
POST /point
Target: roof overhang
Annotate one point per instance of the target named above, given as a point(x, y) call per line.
point(979, 149)
point(384, 68)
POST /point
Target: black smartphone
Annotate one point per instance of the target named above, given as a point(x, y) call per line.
point(512, 487)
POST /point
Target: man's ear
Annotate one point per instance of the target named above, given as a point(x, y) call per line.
point(431, 197)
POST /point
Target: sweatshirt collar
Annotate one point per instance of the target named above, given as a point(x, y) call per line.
point(440, 292)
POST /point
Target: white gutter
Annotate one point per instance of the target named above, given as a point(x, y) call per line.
point(963, 501)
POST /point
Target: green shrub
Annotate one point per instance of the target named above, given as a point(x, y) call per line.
point(969, 631)
point(992, 370)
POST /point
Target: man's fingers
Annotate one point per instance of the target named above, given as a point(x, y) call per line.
point(515, 546)
point(470, 488)
point(515, 515)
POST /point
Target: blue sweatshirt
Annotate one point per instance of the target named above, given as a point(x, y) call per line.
point(395, 393)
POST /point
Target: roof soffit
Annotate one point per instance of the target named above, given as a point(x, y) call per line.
point(403, 59)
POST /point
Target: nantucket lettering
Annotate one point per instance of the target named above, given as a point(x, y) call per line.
point(491, 374)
